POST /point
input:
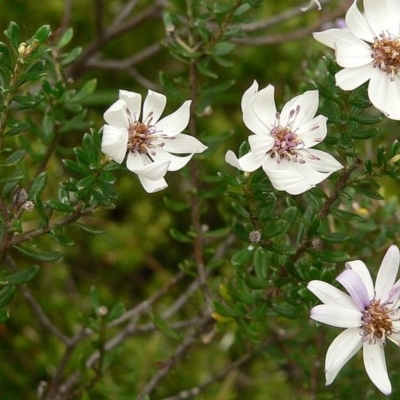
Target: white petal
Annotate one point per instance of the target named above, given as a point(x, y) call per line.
point(247, 163)
point(394, 295)
point(384, 93)
point(176, 162)
point(313, 132)
point(331, 295)
point(358, 25)
point(343, 347)
point(353, 54)
point(335, 37)
point(176, 122)
point(261, 144)
point(395, 336)
point(355, 287)
point(361, 269)
point(249, 94)
point(306, 104)
point(114, 142)
point(321, 161)
point(387, 274)
point(133, 102)
point(152, 186)
point(336, 316)
point(375, 365)
point(154, 105)
point(116, 115)
point(142, 165)
point(306, 169)
point(382, 16)
point(264, 106)
point(351, 78)
point(182, 143)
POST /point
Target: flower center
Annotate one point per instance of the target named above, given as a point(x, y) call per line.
point(386, 54)
point(377, 322)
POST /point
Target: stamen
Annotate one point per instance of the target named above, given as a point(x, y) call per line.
point(386, 54)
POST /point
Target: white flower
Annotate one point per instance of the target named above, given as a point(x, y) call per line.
point(369, 49)
point(148, 140)
point(312, 2)
point(282, 142)
point(370, 315)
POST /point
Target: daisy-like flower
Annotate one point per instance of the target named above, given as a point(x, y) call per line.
point(282, 142)
point(369, 313)
point(369, 49)
point(148, 140)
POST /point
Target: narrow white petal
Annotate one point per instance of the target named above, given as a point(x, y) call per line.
point(394, 295)
point(182, 144)
point(176, 162)
point(387, 274)
point(133, 102)
point(353, 54)
point(351, 78)
point(336, 316)
point(116, 115)
point(176, 122)
point(358, 25)
point(384, 93)
point(306, 169)
point(142, 165)
point(247, 163)
point(114, 142)
point(152, 186)
point(331, 295)
point(395, 336)
point(306, 104)
point(313, 131)
point(154, 104)
point(261, 144)
point(382, 16)
point(355, 287)
point(321, 161)
point(264, 106)
point(361, 269)
point(249, 94)
point(375, 365)
point(253, 121)
point(334, 37)
point(341, 350)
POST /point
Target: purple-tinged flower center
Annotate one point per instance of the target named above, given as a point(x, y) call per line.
point(141, 135)
point(386, 54)
point(377, 322)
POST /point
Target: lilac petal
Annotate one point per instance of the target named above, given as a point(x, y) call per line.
point(133, 102)
point(351, 78)
point(355, 287)
point(141, 165)
point(336, 316)
point(264, 106)
point(331, 296)
point(382, 16)
point(176, 162)
point(182, 144)
point(358, 25)
point(114, 142)
point(375, 365)
point(247, 163)
point(152, 186)
point(116, 115)
point(341, 350)
point(321, 161)
point(362, 271)
point(176, 122)
point(304, 107)
point(153, 107)
point(387, 274)
point(261, 144)
point(384, 93)
point(313, 132)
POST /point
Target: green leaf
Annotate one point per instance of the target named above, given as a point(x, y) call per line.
point(242, 9)
point(12, 32)
point(222, 48)
point(365, 133)
point(334, 237)
point(5, 58)
point(76, 168)
point(14, 158)
point(115, 312)
point(239, 209)
point(179, 236)
point(45, 256)
point(347, 215)
point(228, 312)
point(366, 119)
point(4, 314)
point(68, 58)
point(21, 277)
point(87, 89)
point(6, 295)
point(42, 33)
point(65, 38)
point(288, 310)
point(332, 256)
point(59, 206)
point(274, 228)
point(242, 257)
point(175, 205)
point(163, 327)
point(94, 296)
point(16, 127)
point(38, 185)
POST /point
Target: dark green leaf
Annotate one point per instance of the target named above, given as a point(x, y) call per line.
point(65, 38)
point(115, 312)
point(163, 327)
point(179, 236)
point(59, 206)
point(14, 158)
point(287, 310)
point(365, 133)
point(42, 33)
point(6, 295)
point(274, 228)
point(44, 256)
point(175, 205)
point(366, 119)
point(38, 185)
point(90, 229)
point(21, 277)
point(242, 257)
point(12, 32)
point(228, 312)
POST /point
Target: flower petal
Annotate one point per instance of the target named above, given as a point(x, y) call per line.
point(343, 347)
point(375, 365)
point(313, 132)
point(133, 102)
point(249, 94)
point(182, 144)
point(116, 115)
point(141, 165)
point(152, 186)
point(351, 78)
point(384, 93)
point(261, 144)
point(358, 25)
point(264, 106)
point(355, 287)
point(336, 316)
point(361, 269)
point(382, 16)
point(321, 161)
point(387, 274)
point(331, 296)
point(176, 122)
point(176, 162)
point(247, 163)
point(114, 142)
point(353, 54)
point(153, 107)
point(335, 37)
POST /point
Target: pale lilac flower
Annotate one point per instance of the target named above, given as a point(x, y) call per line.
point(312, 2)
point(369, 49)
point(282, 142)
point(370, 315)
point(147, 139)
